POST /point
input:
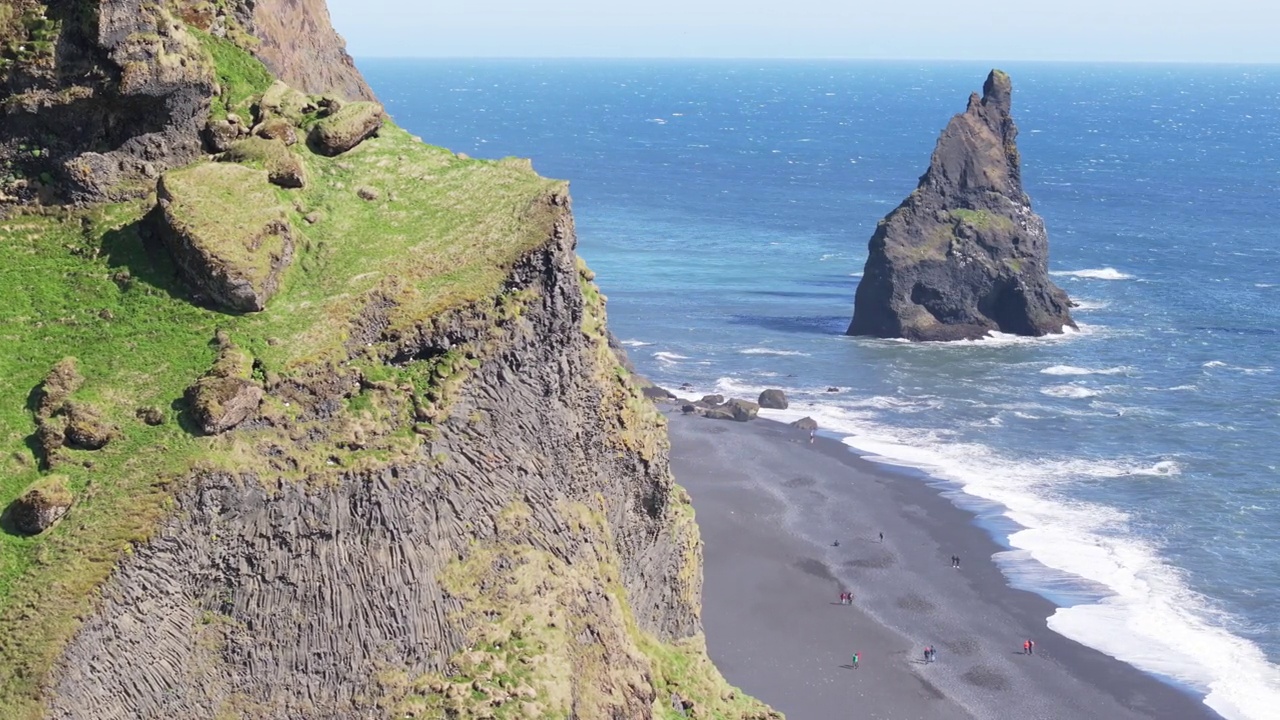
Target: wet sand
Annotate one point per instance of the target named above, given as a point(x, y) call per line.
point(770, 505)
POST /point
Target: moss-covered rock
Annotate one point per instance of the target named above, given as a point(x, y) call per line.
point(283, 102)
point(151, 415)
point(85, 428)
point(284, 168)
point(227, 231)
point(63, 379)
point(346, 128)
point(277, 129)
point(41, 506)
point(225, 396)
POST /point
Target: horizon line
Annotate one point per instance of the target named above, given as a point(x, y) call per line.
point(833, 58)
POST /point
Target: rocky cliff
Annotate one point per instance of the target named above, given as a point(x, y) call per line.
point(964, 254)
point(98, 98)
point(409, 479)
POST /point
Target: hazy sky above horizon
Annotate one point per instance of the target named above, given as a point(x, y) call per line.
point(989, 30)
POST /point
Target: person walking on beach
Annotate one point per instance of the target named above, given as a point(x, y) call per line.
point(926, 653)
point(812, 434)
point(1026, 647)
point(882, 537)
point(1031, 646)
point(856, 657)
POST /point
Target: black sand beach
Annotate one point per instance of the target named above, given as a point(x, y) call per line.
point(770, 505)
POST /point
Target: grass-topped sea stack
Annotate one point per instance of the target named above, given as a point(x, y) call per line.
point(964, 254)
point(300, 416)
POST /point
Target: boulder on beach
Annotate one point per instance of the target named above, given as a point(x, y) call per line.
point(773, 400)
point(963, 255)
point(742, 410)
point(689, 408)
point(658, 394)
point(712, 400)
point(806, 424)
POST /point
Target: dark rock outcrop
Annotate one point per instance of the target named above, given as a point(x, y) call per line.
point(805, 423)
point(773, 400)
point(658, 394)
point(964, 254)
point(122, 94)
point(712, 400)
point(41, 506)
point(739, 410)
point(107, 95)
point(225, 229)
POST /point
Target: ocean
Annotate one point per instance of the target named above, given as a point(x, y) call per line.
point(1131, 469)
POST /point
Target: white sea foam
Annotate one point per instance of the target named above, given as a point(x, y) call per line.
point(1075, 392)
point(1149, 617)
point(669, 357)
point(1072, 370)
point(999, 339)
point(1087, 305)
point(1107, 273)
point(635, 343)
point(771, 351)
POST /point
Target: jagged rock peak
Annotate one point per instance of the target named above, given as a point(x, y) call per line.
point(964, 254)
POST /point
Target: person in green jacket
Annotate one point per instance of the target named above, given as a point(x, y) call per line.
point(855, 661)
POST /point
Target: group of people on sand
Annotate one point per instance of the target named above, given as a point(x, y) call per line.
point(930, 652)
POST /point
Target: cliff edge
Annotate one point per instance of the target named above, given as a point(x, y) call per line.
point(964, 254)
point(302, 417)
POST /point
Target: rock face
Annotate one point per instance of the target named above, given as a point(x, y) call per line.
point(297, 599)
point(106, 94)
point(964, 254)
point(125, 94)
point(227, 232)
point(300, 46)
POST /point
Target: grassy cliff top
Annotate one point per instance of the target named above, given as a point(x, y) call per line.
point(413, 226)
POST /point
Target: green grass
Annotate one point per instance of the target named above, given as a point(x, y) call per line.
point(983, 220)
point(240, 75)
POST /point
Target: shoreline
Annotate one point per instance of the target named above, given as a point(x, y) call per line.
point(771, 504)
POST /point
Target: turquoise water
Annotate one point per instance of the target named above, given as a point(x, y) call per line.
point(1131, 468)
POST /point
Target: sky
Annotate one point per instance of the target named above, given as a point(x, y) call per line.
point(985, 30)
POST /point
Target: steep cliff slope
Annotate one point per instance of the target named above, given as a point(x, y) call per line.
point(964, 254)
point(416, 484)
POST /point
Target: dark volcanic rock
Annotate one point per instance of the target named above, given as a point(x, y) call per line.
point(774, 400)
point(657, 394)
point(964, 254)
point(742, 410)
point(712, 400)
point(805, 423)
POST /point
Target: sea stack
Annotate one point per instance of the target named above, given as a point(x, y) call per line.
point(964, 254)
